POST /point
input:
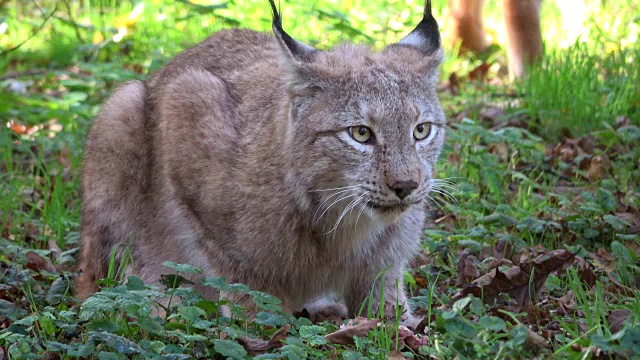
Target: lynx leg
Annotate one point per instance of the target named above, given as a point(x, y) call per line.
point(468, 27)
point(85, 285)
point(522, 21)
point(113, 174)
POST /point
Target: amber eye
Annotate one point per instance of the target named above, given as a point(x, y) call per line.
point(422, 131)
point(361, 134)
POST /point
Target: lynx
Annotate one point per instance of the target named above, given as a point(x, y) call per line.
point(296, 171)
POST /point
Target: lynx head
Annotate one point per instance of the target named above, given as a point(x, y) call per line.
point(367, 127)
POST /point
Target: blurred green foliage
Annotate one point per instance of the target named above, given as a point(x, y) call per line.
point(147, 31)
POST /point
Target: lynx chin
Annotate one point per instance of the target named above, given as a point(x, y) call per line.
point(297, 171)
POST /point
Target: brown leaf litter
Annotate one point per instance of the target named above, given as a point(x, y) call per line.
point(521, 282)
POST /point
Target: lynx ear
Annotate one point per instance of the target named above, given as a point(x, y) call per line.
point(293, 48)
point(426, 36)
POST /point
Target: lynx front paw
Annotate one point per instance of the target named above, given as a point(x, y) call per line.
point(411, 321)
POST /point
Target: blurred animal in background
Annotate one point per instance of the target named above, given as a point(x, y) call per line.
point(522, 25)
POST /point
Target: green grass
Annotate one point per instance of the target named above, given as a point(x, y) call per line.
point(551, 170)
point(582, 89)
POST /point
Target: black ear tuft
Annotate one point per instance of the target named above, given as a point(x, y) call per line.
point(298, 50)
point(426, 36)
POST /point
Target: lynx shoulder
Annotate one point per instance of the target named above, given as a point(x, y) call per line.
point(299, 172)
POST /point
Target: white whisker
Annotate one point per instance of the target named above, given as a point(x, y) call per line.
point(346, 210)
point(335, 202)
point(445, 183)
point(364, 206)
point(445, 194)
point(451, 178)
point(325, 200)
point(338, 188)
point(342, 214)
point(445, 189)
point(436, 202)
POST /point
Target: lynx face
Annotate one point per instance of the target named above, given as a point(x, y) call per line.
point(370, 125)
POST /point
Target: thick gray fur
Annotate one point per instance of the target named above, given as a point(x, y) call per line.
point(226, 158)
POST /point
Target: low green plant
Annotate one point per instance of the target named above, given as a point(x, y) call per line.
point(520, 182)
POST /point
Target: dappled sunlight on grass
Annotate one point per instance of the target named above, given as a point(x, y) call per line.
point(533, 242)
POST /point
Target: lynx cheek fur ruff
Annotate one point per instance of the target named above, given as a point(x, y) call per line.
point(296, 171)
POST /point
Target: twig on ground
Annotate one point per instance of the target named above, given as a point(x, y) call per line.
point(17, 74)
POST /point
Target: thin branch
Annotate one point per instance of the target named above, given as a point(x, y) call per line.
point(46, 20)
point(73, 21)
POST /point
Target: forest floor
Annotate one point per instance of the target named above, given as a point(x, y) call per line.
point(533, 250)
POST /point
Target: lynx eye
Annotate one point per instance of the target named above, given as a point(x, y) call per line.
point(361, 134)
point(422, 131)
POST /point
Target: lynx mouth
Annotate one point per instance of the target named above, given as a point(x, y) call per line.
point(389, 208)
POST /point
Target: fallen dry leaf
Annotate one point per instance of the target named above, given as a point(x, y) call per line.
point(587, 144)
point(495, 263)
point(467, 269)
point(585, 272)
point(603, 259)
point(532, 252)
point(566, 151)
point(489, 286)
point(595, 167)
point(406, 337)
point(522, 282)
point(396, 355)
point(258, 346)
point(553, 261)
point(566, 303)
point(537, 314)
point(38, 263)
point(633, 230)
point(31, 232)
point(54, 248)
point(616, 287)
point(356, 327)
point(629, 217)
point(534, 339)
point(634, 246)
point(617, 318)
point(502, 249)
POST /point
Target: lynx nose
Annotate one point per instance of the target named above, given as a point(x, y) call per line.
point(404, 188)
